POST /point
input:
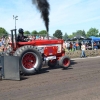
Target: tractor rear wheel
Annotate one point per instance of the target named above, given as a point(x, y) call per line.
point(64, 62)
point(8, 51)
point(30, 59)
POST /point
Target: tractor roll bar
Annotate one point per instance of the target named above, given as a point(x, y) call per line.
point(12, 38)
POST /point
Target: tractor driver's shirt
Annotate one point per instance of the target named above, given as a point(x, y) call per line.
point(21, 38)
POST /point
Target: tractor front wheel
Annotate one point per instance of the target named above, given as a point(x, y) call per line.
point(64, 62)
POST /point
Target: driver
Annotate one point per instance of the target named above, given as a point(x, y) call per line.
point(21, 37)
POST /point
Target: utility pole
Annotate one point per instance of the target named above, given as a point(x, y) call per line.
point(15, 18)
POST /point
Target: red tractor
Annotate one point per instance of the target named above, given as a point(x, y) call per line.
point(33, 53)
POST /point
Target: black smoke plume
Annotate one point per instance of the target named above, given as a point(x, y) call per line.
point(43, 7)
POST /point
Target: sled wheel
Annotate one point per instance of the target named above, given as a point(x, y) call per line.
point(64, 62)
point(52, 63)
point(30, 59)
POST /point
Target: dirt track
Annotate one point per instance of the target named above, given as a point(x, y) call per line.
point(80, 82)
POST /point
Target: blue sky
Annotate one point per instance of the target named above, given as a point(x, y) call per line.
point(66, 15)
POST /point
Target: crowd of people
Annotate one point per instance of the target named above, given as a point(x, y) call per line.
point(69, 45)
point(5, 40)
point(72, 46)
point(4, 43)
point(23, 38)
point(83, 45)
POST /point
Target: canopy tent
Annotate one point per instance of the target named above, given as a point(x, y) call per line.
point(88, 39)
point(78, 38)
point(68, 39)
point(94, 38)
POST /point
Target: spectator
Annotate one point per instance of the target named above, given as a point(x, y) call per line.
point(95, 46)
point(87, 46)
point(83, 48)
point(41, 37)
point(67, 45)
point(33, 37)
point(37, 37)
point(64, 45)
point(80, 45)
point(71, 45)
point(77, 46)
point(74, 46)
point(0, 45)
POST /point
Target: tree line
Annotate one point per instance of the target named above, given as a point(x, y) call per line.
point(59, 34)
point(3, 32)
point(90, 32)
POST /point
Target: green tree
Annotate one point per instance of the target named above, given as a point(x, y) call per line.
point(93, 32)
point(71, 36)
point(79, 33)
point(65, 37)
point(34, 33)
point(27, 33)
point(99, 34)
point(58, 34)
point(43, 33)
point(3, 32)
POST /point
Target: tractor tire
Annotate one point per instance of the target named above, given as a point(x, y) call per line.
point(64, 62)
point(8, 52)
point(52, 63)
point(30, 59)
